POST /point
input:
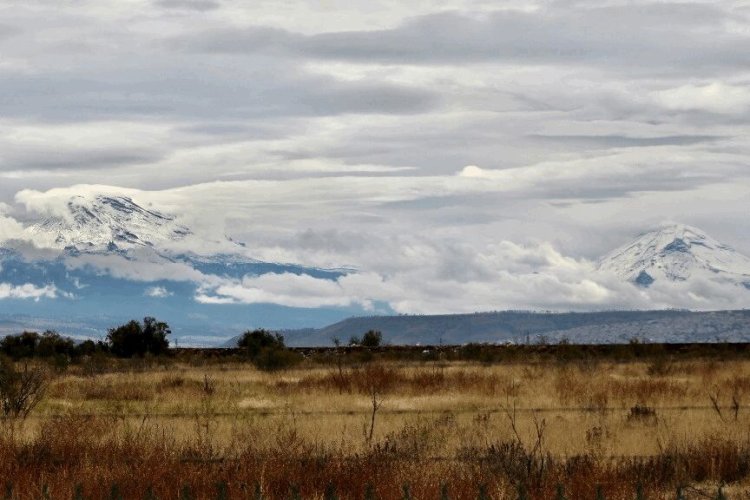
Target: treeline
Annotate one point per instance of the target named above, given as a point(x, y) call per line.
point(48, 345)
point(125, 341)
point(263, 348)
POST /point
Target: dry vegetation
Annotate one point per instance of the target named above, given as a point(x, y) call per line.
point(665, 428)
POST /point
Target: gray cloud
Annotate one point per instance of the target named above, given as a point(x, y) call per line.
point(199, 5)
point(658, 36)
point(85, 158)
point(186, 92)
point(7, 31)
point(622, 141)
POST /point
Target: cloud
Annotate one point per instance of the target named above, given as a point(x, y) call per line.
point(10, 228)
point(159, 292)
point(284, 289)
point(504, 276)
point(7, 31)
point(54, 202)
point(623, 141)
point(198, 5)
point(94, 146)
point(27, 291)
point(716, 97)
point(177, 90)
point(143, 269)
point(617, 174)
point(650, 35)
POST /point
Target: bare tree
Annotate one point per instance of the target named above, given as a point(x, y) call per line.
point(376, 404)
point(20, 391)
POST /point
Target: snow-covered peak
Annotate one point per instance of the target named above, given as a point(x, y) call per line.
point(107, 223)
point(677, 253)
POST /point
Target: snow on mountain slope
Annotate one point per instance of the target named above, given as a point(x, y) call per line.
point(100, 260)
point(677, 253)
point(106, 223)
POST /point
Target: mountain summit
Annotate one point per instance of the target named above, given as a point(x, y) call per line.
point(677, 253)
point(104, 223)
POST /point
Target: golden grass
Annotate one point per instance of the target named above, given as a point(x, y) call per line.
point(507, 430)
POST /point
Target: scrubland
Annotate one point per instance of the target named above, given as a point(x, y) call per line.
point(523, 429)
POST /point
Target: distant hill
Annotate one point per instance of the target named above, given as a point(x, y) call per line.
point(520, 327)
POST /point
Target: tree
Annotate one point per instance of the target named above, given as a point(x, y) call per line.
point(267, 350)
point(155, 333)
point(136, 339)
point(373, 338)
point(52, 344)
point(255, 341)
point(20, 346)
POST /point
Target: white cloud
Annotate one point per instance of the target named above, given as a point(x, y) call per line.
point(159, 292)
point(716, 97)
point(27, 291)
point(145, 267)
point(285, 289)
point(503, 276)
point(10, 228)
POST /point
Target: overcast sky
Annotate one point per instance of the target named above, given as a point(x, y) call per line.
point(472, 139)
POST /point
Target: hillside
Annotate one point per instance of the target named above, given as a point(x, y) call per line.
point(520, 327)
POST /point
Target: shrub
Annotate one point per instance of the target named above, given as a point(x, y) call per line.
point(276, 359)
point(641, 412)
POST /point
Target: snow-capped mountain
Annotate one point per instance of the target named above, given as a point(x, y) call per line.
point(104, 223)
point(677, 253)
point(103, 260)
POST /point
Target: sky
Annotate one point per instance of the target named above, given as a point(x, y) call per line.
point(462, 155)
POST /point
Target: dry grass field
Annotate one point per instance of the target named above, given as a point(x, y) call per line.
point(532, 429)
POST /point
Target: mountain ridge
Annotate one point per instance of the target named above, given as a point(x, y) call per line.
point(518, 327)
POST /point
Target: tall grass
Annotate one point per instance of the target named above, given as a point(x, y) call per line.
point(88, 457)
point(442, 430)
